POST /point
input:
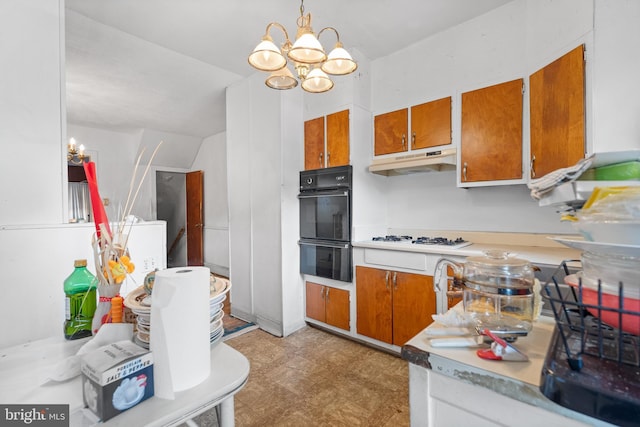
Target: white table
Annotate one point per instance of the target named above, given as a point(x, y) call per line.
point(24, 371)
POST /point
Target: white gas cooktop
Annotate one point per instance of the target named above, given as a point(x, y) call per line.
point(404, 242)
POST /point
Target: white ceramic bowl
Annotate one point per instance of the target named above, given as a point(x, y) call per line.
point(611, 270)
point(616, 232)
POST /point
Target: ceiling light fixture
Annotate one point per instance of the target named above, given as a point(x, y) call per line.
point(309, 59)
point(75, 154)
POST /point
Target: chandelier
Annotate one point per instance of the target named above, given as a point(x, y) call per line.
point(311, 63)
point(75, 154)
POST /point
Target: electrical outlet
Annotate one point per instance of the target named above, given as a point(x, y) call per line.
point(149, 264)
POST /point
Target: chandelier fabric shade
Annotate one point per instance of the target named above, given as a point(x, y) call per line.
point(339, 62)
point(309, 59)
point(307, 49)
point(266, 56)
point(281, 79)
point(317, 81)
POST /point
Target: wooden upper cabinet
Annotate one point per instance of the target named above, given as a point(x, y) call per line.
point(431, 124)
point(390, 132)
point(317, 155)
point(491, 136)
point(314, 143)
point(557, 113)
point(338, 139)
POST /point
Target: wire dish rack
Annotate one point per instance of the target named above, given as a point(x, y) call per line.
point(579, 325)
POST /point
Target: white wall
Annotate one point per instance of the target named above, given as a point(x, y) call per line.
point(37, 259)
point(264, 153)
point(616, 92)
point(510, 42)
point(212, 159)
point(37, 247)
point(31, 117)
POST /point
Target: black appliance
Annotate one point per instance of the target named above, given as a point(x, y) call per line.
point(325, 223)
point(590, 367)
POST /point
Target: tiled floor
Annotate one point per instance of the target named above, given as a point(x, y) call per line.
point(313, 378)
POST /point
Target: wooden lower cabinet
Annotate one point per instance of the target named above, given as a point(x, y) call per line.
point(393, 306)
point(328, 305)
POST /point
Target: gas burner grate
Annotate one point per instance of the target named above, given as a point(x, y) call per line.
point(443, 241)
point(392, 238)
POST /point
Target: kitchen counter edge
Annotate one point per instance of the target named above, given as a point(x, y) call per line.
point(510, 379)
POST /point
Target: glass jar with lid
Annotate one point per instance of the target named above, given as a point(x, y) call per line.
point(498, 292)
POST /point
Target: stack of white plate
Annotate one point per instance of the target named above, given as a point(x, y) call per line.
point(218, 293)
point(140, 304)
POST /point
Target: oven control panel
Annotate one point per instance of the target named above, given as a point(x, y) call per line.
point(327, 178)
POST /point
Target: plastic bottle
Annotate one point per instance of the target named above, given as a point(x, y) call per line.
point(80, 301)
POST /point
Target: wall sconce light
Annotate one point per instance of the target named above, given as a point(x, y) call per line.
point(75, 154)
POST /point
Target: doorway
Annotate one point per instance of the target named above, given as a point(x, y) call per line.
point(171, 196)
point(179, 201)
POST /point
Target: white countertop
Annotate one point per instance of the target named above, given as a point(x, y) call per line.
point(534, 345)
point(551, 255)
point(516, 380)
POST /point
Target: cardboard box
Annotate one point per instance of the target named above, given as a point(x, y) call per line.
point(116, 377)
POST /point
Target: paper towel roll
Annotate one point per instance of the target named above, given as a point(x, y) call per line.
point(180, 329)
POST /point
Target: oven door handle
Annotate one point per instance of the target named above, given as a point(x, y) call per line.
point(344, 245)
point(316, 194)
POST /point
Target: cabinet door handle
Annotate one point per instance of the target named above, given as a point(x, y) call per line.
point(464, 171)
point(326, 294)
point(404, 138)
point(395, 280)
point(328, 158)
point(413, 140)
point(386, 280)
point(320, 160)
point(322, 290)
point(533, 170)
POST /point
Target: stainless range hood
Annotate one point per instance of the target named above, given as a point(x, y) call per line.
point(443, 160)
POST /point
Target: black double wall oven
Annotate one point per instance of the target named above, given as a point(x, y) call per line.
point(325, 223)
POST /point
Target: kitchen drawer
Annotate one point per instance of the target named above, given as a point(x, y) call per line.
point(396, 259)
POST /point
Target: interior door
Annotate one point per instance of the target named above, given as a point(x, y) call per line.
point(195, 250)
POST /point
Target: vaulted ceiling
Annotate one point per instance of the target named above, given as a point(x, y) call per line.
point(165, 64)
